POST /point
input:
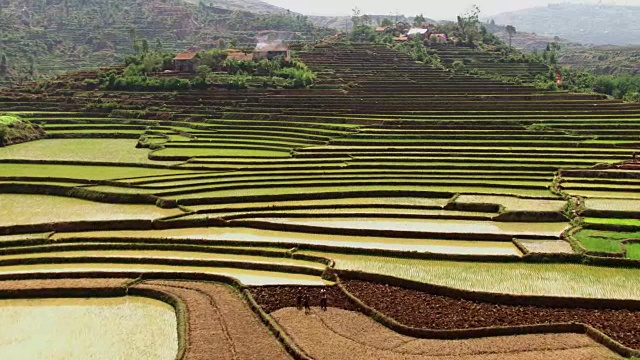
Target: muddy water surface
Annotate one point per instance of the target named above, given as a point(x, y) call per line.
point(87, 329)
point(439, 226)
point(247, 277)
point(360, 242)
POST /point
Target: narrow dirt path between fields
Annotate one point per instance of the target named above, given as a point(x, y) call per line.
point(220, 325)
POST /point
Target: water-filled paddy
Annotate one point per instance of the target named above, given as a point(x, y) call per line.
point(247, 277)
point(605, 194)
point(267, 236)
point(169, 255)
point(513, 203)
point(287, 190)
point(19, 209)
point(428, 225)
point(88, 329)
point(612, 204)
point(95, 150)
point(397, 201)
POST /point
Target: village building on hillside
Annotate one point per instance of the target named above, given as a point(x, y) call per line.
point(381, 29)
point(401, 38)
point(417, 32)
point(185, 62)
point(439, 38)
point(271, 51)
point(239, 56)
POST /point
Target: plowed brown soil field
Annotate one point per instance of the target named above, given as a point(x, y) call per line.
point(339, 334)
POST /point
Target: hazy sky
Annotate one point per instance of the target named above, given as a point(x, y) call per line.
point(439, 10)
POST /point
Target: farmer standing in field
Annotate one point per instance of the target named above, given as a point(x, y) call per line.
point(323, 299)
point(299, 299)
point(307, 308)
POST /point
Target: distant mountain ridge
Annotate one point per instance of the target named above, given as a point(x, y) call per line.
point(255, 6)
point(588, 24)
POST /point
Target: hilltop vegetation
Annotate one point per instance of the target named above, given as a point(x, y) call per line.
point(589, 24)
point(213, 69)
point(41, 38)
point(15, 130)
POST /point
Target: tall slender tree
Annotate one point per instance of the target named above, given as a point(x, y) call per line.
point(4, 68)
point(511, 30)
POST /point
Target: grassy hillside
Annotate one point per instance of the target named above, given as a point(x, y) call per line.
point(39, 38)
point(604, 60)
point(590, 24)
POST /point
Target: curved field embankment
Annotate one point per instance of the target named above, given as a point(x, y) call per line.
point(219, 325)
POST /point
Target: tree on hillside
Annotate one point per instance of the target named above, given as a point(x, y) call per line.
point(3, 64)
point(356, 17)
point(386, 22)
point(418, 20)
point(152, 62)
point(363, 33)
point(511, 30)
point(468, 24)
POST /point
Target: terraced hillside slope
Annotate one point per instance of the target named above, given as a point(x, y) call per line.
point(385, 170)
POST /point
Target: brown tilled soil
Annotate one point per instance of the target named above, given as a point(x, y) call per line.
point(219, 323)
point(424, 310)
point(340, 334)
point(272, 298)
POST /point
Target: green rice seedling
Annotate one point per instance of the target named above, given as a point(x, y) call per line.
point(633, 251)
point(612, 221)
point(602, 245)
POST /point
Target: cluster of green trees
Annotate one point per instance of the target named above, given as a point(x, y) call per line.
point(213, 69)
point(623, 86)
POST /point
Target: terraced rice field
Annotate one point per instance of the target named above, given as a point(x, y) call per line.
point(385, 166)
point(18, 209)
point(68, 328)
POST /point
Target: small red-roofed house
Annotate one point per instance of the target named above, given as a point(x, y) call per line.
point(185, 62)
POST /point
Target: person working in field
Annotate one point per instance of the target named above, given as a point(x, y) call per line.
point(323, 299)
point(299, 299)
point(307, 307)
